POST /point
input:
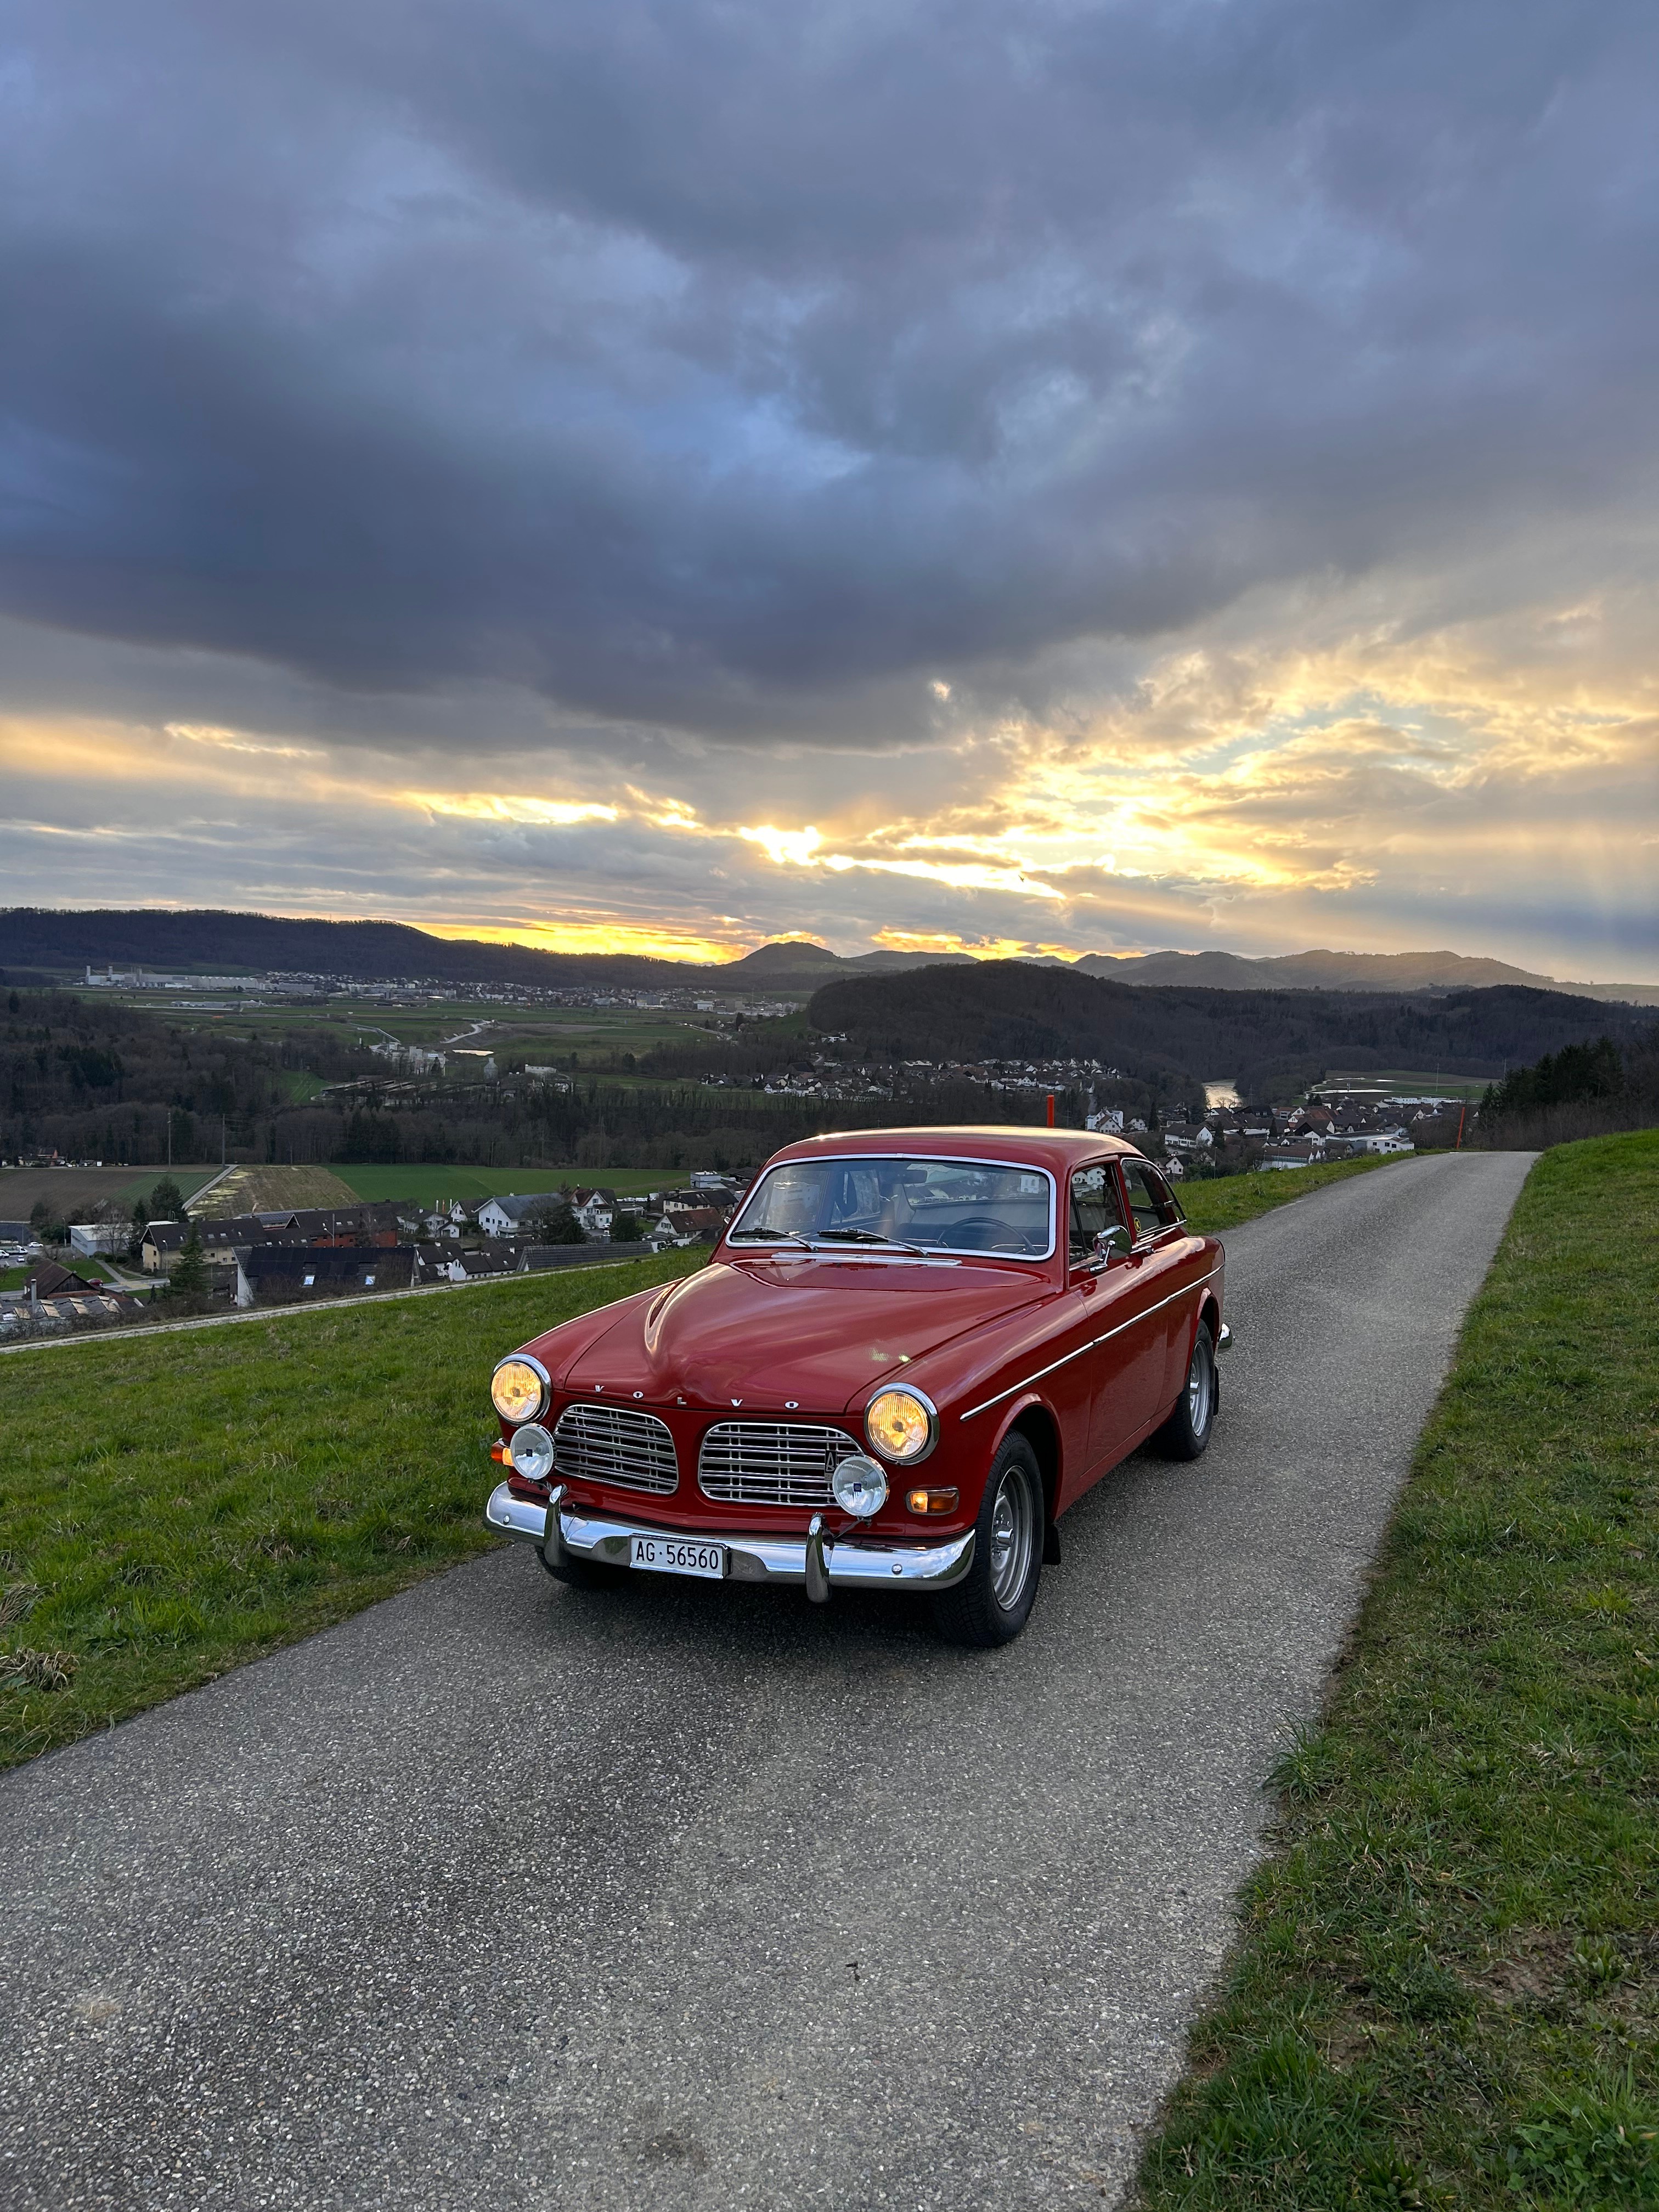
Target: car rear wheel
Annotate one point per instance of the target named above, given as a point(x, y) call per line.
point(992, 1601)
point(1186, 1434)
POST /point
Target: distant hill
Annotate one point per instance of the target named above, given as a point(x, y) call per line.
point(212, 942)
point(796, 960)
point(1010, 1009)
point(36, 945)
point(1346, 971)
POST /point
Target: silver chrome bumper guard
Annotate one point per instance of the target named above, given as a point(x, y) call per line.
point(850, 1563)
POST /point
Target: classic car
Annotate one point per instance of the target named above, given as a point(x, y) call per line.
point(910, 1351)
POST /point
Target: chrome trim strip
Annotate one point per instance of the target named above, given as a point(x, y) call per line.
point(1093, 1345)
point(850, 1563)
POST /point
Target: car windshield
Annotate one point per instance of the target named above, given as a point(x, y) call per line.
point(924, 1205)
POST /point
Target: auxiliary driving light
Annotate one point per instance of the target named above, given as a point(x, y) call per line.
point(518, 1388)
point(531, 1449)
point(859, 1485)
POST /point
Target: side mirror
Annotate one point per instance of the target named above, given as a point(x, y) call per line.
point(1111, 1241)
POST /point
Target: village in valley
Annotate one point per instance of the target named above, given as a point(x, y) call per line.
point(235, 1245)
point(125, 1266)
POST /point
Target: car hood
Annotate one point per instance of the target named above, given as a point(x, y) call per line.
point(815, 1332)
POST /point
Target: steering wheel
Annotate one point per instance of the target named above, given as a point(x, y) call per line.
point(983, 1232)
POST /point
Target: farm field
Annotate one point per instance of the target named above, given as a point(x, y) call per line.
point(69, 1191)
point(1446, 1989)
point(1406, 1082)
point(586, 1030)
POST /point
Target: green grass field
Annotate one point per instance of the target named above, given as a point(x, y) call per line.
point(1404, 1082)
point(189, 1180)
point(1445, 1993)
point(223, 1490)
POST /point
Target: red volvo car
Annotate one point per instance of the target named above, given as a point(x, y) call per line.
point(910, 1351)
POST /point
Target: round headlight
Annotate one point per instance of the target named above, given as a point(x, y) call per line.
point(532, 1452)
point(859, 1485)
point(519, 1388)
point(902, 1424)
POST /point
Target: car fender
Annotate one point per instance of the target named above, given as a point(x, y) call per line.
point(1046, 1442)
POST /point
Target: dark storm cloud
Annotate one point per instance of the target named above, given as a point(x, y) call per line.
point(723, 365)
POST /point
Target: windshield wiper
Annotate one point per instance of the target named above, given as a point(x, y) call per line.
point(869, 1236)
point(768, 1237)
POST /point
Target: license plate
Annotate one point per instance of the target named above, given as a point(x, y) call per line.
point(675, 1555)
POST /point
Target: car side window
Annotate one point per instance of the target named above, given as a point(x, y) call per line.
point(1150, 1200)
point(1095, 1207)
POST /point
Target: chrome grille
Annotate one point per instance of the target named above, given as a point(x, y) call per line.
point(616, 1444)
point(771, 1462)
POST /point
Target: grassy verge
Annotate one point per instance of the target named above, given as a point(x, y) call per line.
point(172, 1507)
point(1446, 1991)
point(1215, 1203)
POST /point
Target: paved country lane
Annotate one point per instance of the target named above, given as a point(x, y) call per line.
point(504, 1895)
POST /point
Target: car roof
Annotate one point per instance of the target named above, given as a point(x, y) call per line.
point(1057, 1150)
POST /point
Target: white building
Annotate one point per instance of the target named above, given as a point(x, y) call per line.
point(89, 1238)
point(502, 1217)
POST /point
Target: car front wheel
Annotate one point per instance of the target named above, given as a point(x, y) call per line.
point(992, 1601)
point(1186, 1434)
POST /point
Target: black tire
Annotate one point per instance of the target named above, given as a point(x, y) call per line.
point(1186, 1434)
point(992, 1601)
point(584, 1574)
point(581, 1573)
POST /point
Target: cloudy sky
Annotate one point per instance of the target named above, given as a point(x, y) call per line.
point(1039, 475)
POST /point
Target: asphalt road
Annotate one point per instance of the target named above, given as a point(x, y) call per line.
point(506, 1895)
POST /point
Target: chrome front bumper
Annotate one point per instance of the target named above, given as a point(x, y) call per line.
point(849, 1563)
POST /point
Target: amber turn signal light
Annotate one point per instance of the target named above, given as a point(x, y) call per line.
point(498, 1452)
point(931, 1501)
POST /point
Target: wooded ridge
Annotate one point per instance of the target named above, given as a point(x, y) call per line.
point(1009, 1009)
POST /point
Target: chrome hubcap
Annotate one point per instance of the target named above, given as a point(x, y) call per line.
point(1198, 1389)
point(1013, 1528)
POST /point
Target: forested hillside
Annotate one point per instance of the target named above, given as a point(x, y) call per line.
point(33, 940)
point(92, 1080)
point(1262, 1040)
